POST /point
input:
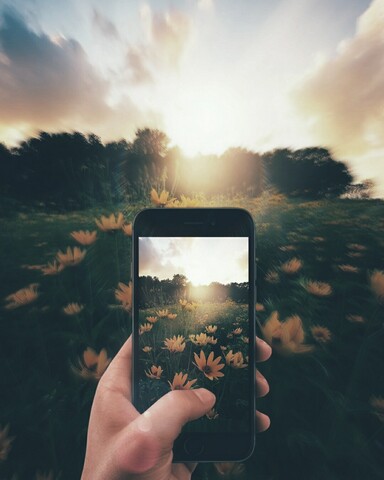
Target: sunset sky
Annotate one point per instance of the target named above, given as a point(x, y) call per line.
point(211, 73)
point(201, 260)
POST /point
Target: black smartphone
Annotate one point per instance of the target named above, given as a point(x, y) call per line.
point(194, 322)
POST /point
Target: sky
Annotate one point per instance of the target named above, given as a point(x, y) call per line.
point(212, 74)
point(201, 259)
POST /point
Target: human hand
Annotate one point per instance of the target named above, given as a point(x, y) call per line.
point(123, 444)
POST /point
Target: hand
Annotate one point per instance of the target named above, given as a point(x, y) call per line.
point(123, 444)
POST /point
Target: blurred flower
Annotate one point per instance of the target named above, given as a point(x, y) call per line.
point(245, 339)
point(175, 344)
point(152, 319)
point(212, 414)
point(320, 289)
point(235, 360)
point(85, 237)
point(127, 229)
point(223, 348)
point(124, 295)
point(145, 327)
point(321, 334)
point(212, 340)
point(286, 338)
point(147, 349)
point(211, 328)
point(22, 297)
point(377, 284)
point(162, 199)
point(355, 318)
point(190, 306)
point(355, 254)
point(209, 366)
point(5, 443)
point(292, 266)
point(259, 307)
point(71, 257)
point(162, 313)
point(348, 268)
point(52, 268)
point(200, 339)
point(272, 277)
point(92, 365)
point(73, 308)
point(377, 403)
point(172, 316)
point(318, 239)
point(32, 267)
point(155, 372)
point(237, 331)
point(111, 223)
point(183, 303)
point(229, 469)
point(288, 248)
point(356, 246)
point(180, 382)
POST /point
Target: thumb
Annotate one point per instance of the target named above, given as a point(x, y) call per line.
point(165, 418)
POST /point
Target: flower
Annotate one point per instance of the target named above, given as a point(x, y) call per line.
point(288, 248)
point(377, 284)
point(71, 257)
point(127, 229)
point(272, 277)
point(52, 268)
point(73, 309)
point(355, 318)
point(92, 365)
point(111, 223)
point(183, 303)
point(152, 319)
point(212, 414)
point(348, 268)
point(124, 295)
point(235, 360)
point(321, 334)
point(162, 313)
point(377, 403)
point(85, 237)
point(209, 366)
point(320, 289)
point(355, 254)
point(237, 331)
point(172, 316)
point(5, 442)
point(245, 339)
point(162, 199)
point(212, 340)
point(200, 339)
point(292, 266)
point(259, 307)
point(180, 382)
point(155, 372)
point(22, 297)
point(147, 349)
point(175, 344)
point(211, 328)
point(286, 338)
point(356, 246)
point(318, 239)
point(145, 327)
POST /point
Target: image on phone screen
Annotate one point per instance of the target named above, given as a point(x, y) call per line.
point(193, 321)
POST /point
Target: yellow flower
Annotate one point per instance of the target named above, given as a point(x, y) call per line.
point(152, 319)
point(200, 339)
point(73, 309)
point(22, 297)
point(211, 328)
point(320, 289)
point(180, 382)
point(377, 284)
point(84, 237)
point(318, 239)
point(235, 360)
point(321, 334)
point(160, 200)
point(272, 277)
point(162, 313)
point(190, 306)
point(377, 403)
point(356, 246)
point(348, 268)
point(71, 257)
point(237, 331)
point(124, 295)
point(223, 348)
point(292, 266)
point(209, 366)
point(245, 339)
point(212, 414)
point(286, 338)
point(111, 223)
point(52, 268)
point(92, 365)
point(259, 307)
point(5, 443)
point(212, 340)
point(175, 344)
point(155, 372)
point(172, 316)
point(355, 318)
point(287, 248)
point(127, 229)
point(147, 349)
point(146, 327)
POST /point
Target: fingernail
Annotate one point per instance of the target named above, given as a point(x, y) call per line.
point(205, 395)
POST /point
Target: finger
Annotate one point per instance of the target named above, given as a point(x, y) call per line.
point(117, 377)
point(263, 350)
point(165, 418)
point(262, 422)
point(262, 386)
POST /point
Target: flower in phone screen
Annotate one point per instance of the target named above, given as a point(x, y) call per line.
point(209, 366)
point(180, 382)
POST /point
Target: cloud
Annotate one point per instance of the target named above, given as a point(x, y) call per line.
point(104, 25)
point(342, 98)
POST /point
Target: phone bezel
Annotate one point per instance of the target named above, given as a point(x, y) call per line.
point(214, 222)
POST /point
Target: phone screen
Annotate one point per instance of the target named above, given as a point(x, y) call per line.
point(193, 307)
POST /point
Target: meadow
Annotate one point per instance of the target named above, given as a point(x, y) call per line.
point(64, 287)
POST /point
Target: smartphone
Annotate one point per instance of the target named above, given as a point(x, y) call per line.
point(193, 276)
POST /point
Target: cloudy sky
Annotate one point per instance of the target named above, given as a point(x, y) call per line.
point(201, 260)
point(210, 73)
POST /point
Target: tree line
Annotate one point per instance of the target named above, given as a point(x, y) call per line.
point(74, 170)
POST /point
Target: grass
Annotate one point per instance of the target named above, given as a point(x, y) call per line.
point(323, 423)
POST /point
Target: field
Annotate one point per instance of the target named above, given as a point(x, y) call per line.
point(320, 282)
